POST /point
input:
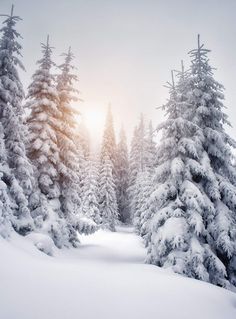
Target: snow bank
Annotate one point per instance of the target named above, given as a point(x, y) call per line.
point(43, 242)
point(104, 278)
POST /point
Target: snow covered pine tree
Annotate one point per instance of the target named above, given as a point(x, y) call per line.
point(42, 101)
point(108, 148)
point(137, 153)
point(150, 148)
point(138, 163)
point(107, 196)
point(56, 170)
point(180, 207)
point(82, 139)
point(16, 169)
point(90, 205)
point(70, 153)
point(143, 184)
point(206, 97)
point(142, 191)
point(108, 175)
point(8, 220)
point(123, 178)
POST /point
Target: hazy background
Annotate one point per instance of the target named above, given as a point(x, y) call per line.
point(125, 49)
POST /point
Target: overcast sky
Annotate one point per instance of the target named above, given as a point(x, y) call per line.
point(125, 49)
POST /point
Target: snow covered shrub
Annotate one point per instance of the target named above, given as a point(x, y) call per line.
point(42, 242)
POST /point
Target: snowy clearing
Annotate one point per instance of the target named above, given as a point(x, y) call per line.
point(105, 278)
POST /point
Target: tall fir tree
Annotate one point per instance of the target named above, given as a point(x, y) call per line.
point(70, 154)
point(90, 204)
point(108, 175)
point(137, 163)
point(142, 192)
point(142, 187)
point(82, 139)
point(138, 150)
point(179, 206)
point(42, 101)
point(150, 148)
point(107, 196)
point(108, 148)
point(7, 204)
point(206, 96)
point(123, 177)
point(20, 178)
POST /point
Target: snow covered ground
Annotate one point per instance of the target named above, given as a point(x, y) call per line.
point(103, 279)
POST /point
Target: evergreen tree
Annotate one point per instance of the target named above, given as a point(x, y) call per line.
point(122, 177)
point(7, 205)
point(108, 148)
point(107, 195)
point(137, 163)
point(90, 205)
point(206, 97)
point(180, 209)
point(133, 167)
point(82, 139)
point(20, 177)
point(138, 151)
point(150, 148)
point(71, 155)
point(42, 102)
point(142, 187)
point(143, 190)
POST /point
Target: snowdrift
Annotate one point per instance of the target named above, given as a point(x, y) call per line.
point(104, 278)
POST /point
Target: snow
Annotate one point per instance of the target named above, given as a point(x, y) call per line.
point(104, 278)
point(42, 242)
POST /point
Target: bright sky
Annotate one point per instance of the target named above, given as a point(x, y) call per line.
point(125, 49)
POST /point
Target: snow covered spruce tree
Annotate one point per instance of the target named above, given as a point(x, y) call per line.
point(42, 101)
point(70, 154)
point(207, 100)
point(180, 208)
point(82, 139)
point(48, 122)
point(107, 195)
point(108, 175)
point(108, 148)
point(9, 217)
point(90, 205)
point(137, 163)
point(70, 196)
point(138, 150)
point(122, 177)
point(143, 184)
point(142, 191)
point(150, 148)
point(20, 176)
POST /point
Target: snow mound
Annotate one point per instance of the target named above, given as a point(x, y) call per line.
point(42, 242)
point(86, 226)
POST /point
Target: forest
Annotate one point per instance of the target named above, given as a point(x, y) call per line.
point(174, 186)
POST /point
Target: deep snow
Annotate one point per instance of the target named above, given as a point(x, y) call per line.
point(103, 279)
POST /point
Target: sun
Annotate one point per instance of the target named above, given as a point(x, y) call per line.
point(93, 119)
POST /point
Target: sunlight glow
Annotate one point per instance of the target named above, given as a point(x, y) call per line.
point(93, 119)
